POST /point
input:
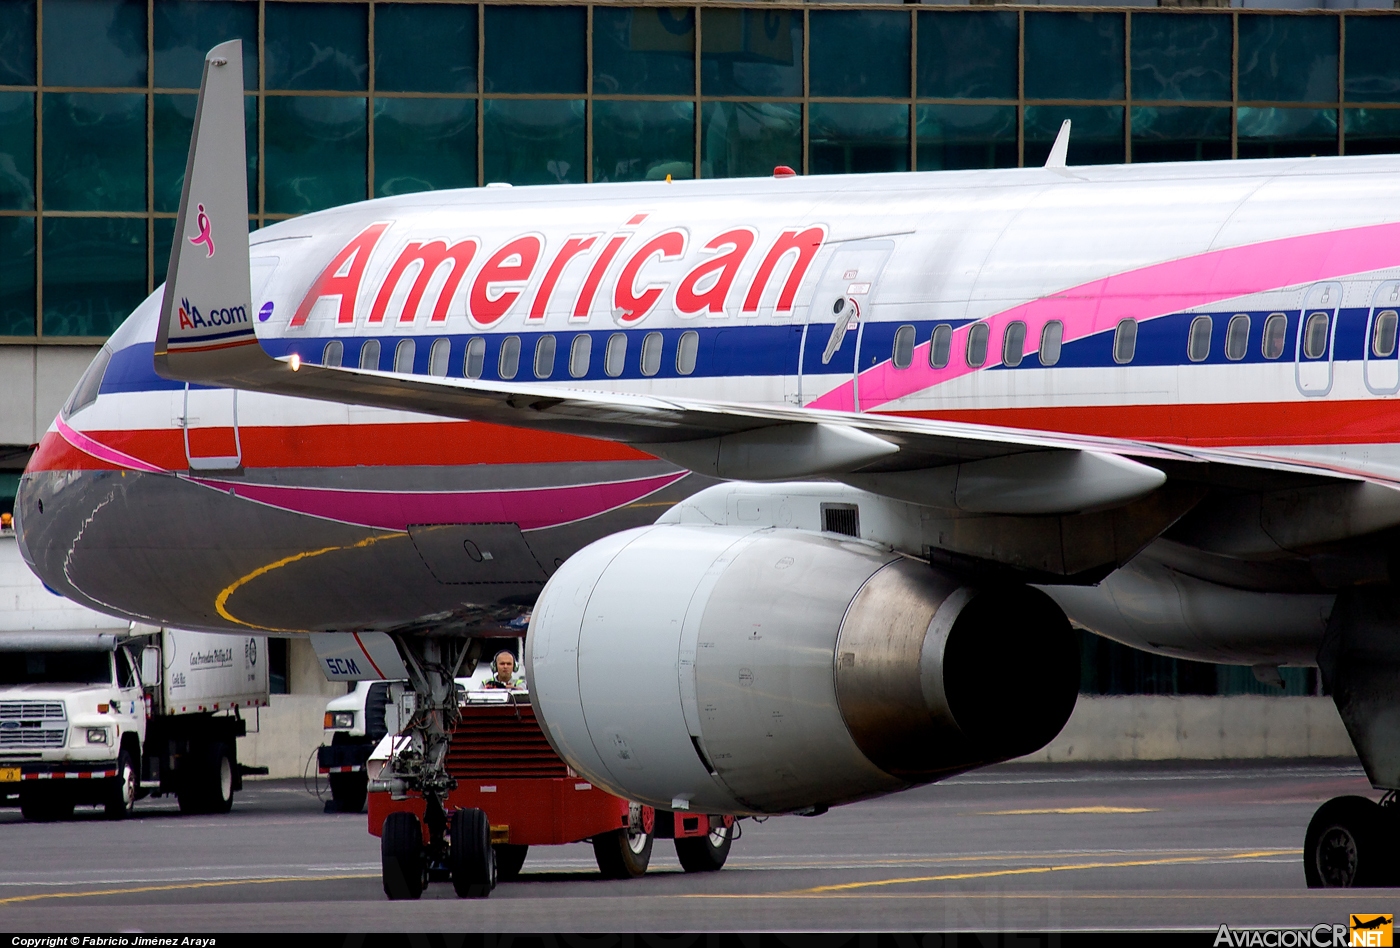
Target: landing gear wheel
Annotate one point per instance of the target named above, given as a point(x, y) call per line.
point(46, 807)
point(470, 856)
point(121, 799)
point(623, 853)
point(209, 789)
point(706, 853)
point(509, 859)
point(348, 791)
point(401, 856)
point(1347, 845)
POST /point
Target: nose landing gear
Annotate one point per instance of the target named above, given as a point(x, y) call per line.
point(1351, 842)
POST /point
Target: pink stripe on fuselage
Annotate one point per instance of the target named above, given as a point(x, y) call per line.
point(531, 508)
point(101, 451)
point(1146, 293)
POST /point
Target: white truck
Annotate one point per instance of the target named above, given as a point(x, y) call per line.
point(95, 711)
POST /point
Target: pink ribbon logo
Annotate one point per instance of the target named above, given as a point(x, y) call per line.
point(205, 237)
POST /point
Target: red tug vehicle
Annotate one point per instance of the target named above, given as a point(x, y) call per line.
point(514, 792)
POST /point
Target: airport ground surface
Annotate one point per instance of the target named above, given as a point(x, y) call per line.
point(1070, 847)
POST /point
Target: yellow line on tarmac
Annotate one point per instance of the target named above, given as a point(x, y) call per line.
point(221, 883)
point(1073, 809)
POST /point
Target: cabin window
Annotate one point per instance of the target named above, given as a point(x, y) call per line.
point(903, 354)
point(1315, 335)
point(1052, 337)
point(509, 362)
point(615, 357)
point(333, 353)
point(1383, 335)
point(977, 344)
point(474, 361)
point(369, 355)
point(686, 352)
point(1275, 335)
point(403, 356)
point(940, 347)
point(651, 353)
point(1237, 337)
point(1013, 344)
point(580, 353)
point(1197, 339)
point(544, 357)
point(438, 356)
point(1125, 341)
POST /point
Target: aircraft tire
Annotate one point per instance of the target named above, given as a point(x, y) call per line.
point(705, 853)
point(121, 798)
point(509, 859)
point(401, 856)
point(623, 853)
point(348, 791)
point(470, 855)
point(1348, 844)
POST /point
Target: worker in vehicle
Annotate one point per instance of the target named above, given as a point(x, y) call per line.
point(504, 667)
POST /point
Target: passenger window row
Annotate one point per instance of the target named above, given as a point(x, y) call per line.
point(508, 358)
point(1013, 345)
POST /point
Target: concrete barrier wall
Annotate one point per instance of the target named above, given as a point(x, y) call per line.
point(289, 730)
point(1193, 727)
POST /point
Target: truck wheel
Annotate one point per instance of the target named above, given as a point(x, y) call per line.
point(46, 807)
point(705, 853)
point(348, 791)
point(470, 857)
point(121, 798)
point(623, 853)
point(401, 856)
point(209, 789)
point(509, 859)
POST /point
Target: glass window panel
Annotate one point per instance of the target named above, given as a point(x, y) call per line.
point(902, 354)
point(1198, 339)
point(860, 53)
point(643, 141)
point(423, 145)
point(751, 52)
point(1373, 69)
point(744, 139)
point(1052, 338)
point(1372, 131)
point(652, 344)
point(965, 136)
point(967, 55)
point(185, 30)
point(1315, 335)
point(1074, 56)
point(580, 352)
point(848, 138)
point(474, 361)
point(425, 47)
point(1013, 344)
point(17, 150)
point(534, 142)
point(17, 276)
point(1125, 341)
point(976, 352)
point(545, 348)
point(1275, 335)
point(94, 273)
point(1383, 334)
point(170, 138)
point(1096, 137)
point(317, 46)
point(1286, 133)
point(1288, 58)
point(369, 355)
point(686, 351)
point(1181, 56)
point(940, 346)
point(94, 151)
point(615, 355)
point(508, 362)
point(644, 50)
point(1237, 337)
point(95, 42)
point(334, 353)
point(438, 356)
point(1179, 133)
point(17, 44)
point(536, 49)
point(403, 356)
point(315, 150)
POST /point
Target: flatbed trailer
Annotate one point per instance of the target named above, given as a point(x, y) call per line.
point(506, 770)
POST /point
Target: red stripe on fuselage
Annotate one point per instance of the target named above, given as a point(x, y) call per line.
point(447, 444)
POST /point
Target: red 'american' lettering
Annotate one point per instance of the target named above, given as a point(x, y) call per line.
point(630, 304)
point(431, 255)
point(689, 299)
point(513, 263)
point(341, 277)
point(805, 244)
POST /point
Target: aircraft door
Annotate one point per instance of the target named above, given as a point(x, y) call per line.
point(210, 423)
point(843, 296)
point(1317, 329)
point(1382, 354)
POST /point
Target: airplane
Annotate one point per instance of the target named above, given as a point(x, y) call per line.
point(802, 483)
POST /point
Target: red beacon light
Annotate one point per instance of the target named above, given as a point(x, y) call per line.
point(783, 171)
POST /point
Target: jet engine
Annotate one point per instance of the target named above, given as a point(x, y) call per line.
point(734, 670)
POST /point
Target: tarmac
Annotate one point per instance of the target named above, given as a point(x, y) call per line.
point(1025, 847)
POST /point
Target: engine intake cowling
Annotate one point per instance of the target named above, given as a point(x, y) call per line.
point(734, 670)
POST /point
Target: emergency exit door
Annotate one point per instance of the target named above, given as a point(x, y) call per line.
point(210, 423)
point(1317, 329)
point(843, 298)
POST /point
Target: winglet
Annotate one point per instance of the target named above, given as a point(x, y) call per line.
point(206, 327)
point(1060, 150)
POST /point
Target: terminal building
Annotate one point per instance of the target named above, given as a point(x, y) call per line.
point(360, 99)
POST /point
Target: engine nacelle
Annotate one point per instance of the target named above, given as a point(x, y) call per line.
point(733, 670)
